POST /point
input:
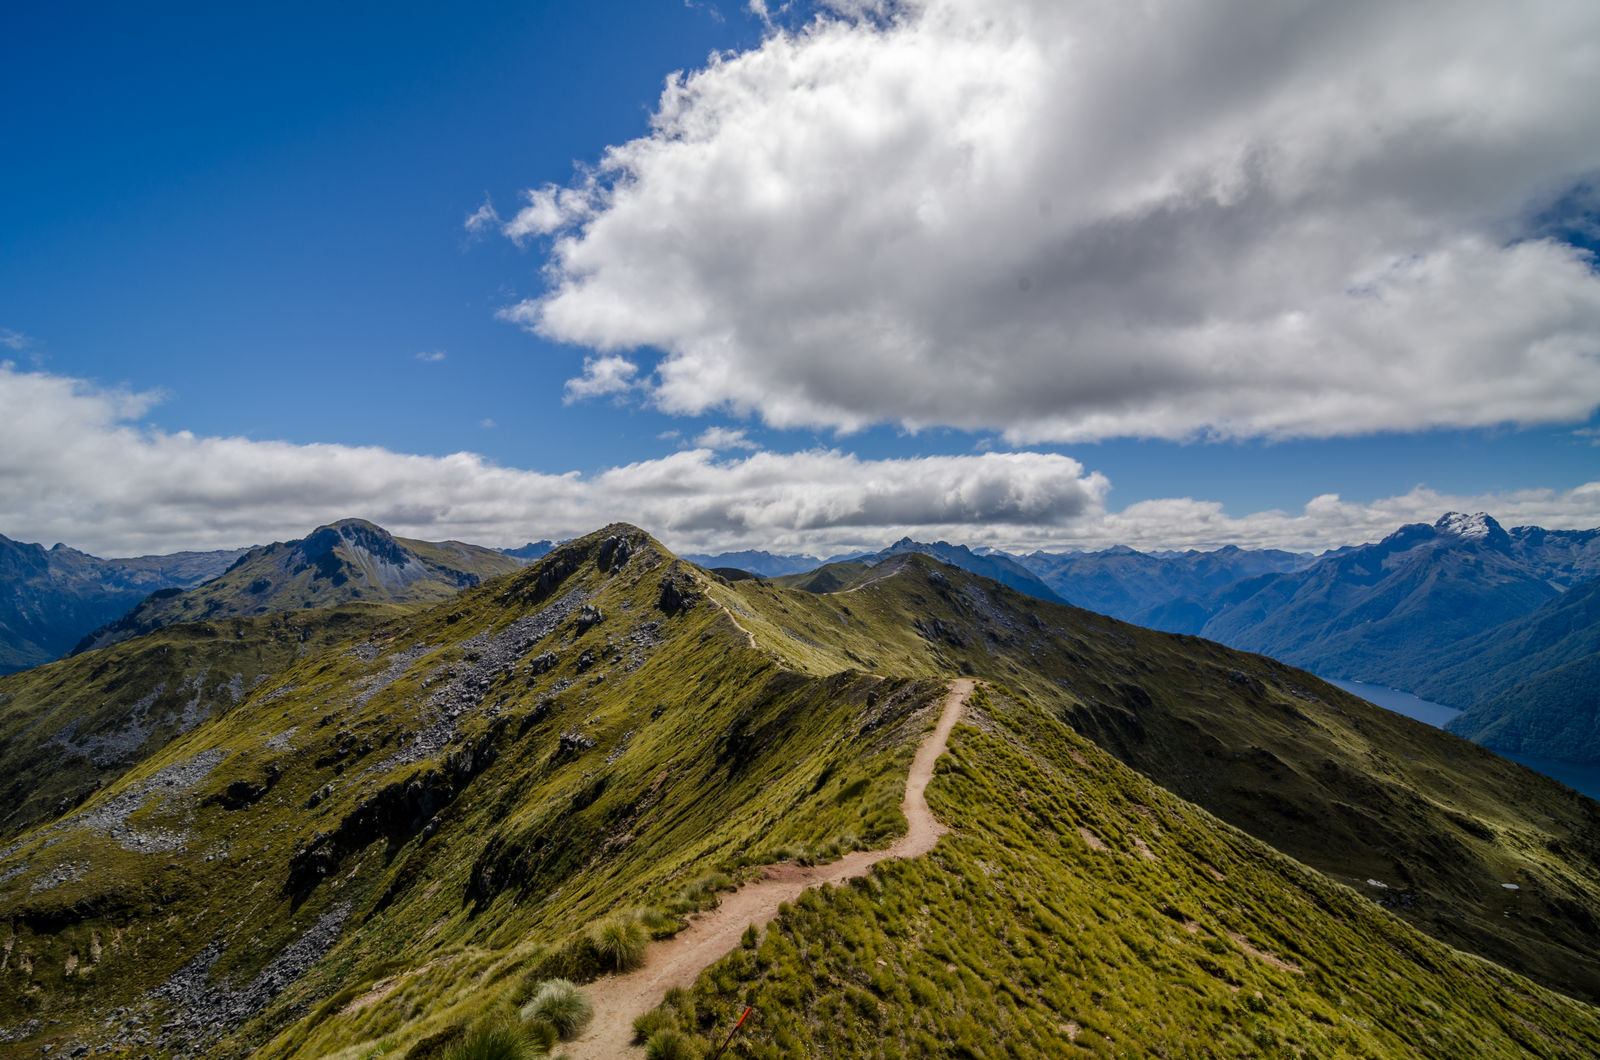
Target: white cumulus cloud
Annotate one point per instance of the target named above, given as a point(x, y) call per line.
point(78, 465)
point(1070, 221)
point(724, 438)
point(602, 375)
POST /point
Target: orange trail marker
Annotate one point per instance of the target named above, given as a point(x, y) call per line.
point(726, 1041)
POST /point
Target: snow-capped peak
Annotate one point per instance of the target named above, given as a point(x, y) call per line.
point(1468, 527)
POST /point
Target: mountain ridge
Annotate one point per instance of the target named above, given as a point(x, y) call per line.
point(455, 803)
point(347, 560)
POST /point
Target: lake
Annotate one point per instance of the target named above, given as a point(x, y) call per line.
point(1585, 779)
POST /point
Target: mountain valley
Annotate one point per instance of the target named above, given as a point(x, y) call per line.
point(49, 598)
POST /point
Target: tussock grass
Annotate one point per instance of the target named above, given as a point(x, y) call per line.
point(671, 1045)
point(660, 923)
point(493, 1041)
point(701, 893)
point(619, 942)
point(651, 1022)
point(562, 1005)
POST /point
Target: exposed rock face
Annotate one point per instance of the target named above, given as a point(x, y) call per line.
point(677, 593)
point(614, 553)
point(553, 575)
point(937, 629)
point(345, 561)
point(396, 812)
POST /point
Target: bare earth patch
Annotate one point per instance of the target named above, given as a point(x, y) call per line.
point(1265, 957)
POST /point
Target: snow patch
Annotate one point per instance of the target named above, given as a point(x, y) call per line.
point(1474, 527)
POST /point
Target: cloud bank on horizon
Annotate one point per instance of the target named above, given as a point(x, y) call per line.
point(1067, 222)
point(79, 465)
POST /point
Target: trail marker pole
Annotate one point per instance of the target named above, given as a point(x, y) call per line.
point(729, 1039)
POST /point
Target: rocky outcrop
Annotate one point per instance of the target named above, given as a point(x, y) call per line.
point(396, 813)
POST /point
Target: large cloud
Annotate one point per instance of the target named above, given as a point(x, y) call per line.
point(1081, 220)
point(77, 466)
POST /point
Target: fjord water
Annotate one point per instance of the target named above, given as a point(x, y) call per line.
point(1436, 714)
point(1581, 778)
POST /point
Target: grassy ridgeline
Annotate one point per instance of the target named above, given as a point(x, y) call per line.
point(1356, 791)
point(458, 802)
point(598, 746)
point(1079, 910)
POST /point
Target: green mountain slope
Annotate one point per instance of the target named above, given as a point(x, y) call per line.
point(50, 598)
point(348, 560)
point(1079, 910)
point(70, 727)
point(483, 779)
point(407, 832)
point(998, 566)
point(1558, 632)
point(828, 578)
point(1358, 792)
point(1554, 714)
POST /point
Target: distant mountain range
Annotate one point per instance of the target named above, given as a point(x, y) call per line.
point(531, 551)
point(1379, 613)
point(765, 564)
point(1499, 623)
point(1530, 685)
point(351, 560)
point(1127, 584)
point(1503, 624)
point(1000, 566)
point(49, 598)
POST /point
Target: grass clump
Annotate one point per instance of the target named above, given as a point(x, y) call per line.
point(620, 942)
point(671, 1045)
point(660, 923)
point(651, 1023)
point(701, 892)
point(493, 1041)
point(559, 1003)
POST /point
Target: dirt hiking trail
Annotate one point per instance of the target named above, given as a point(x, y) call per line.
point(678, 961)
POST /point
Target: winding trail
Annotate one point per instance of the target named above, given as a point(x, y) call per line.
point(751, 637)
point(678, 961)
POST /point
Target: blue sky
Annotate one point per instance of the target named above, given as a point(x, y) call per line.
point(238, 278)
